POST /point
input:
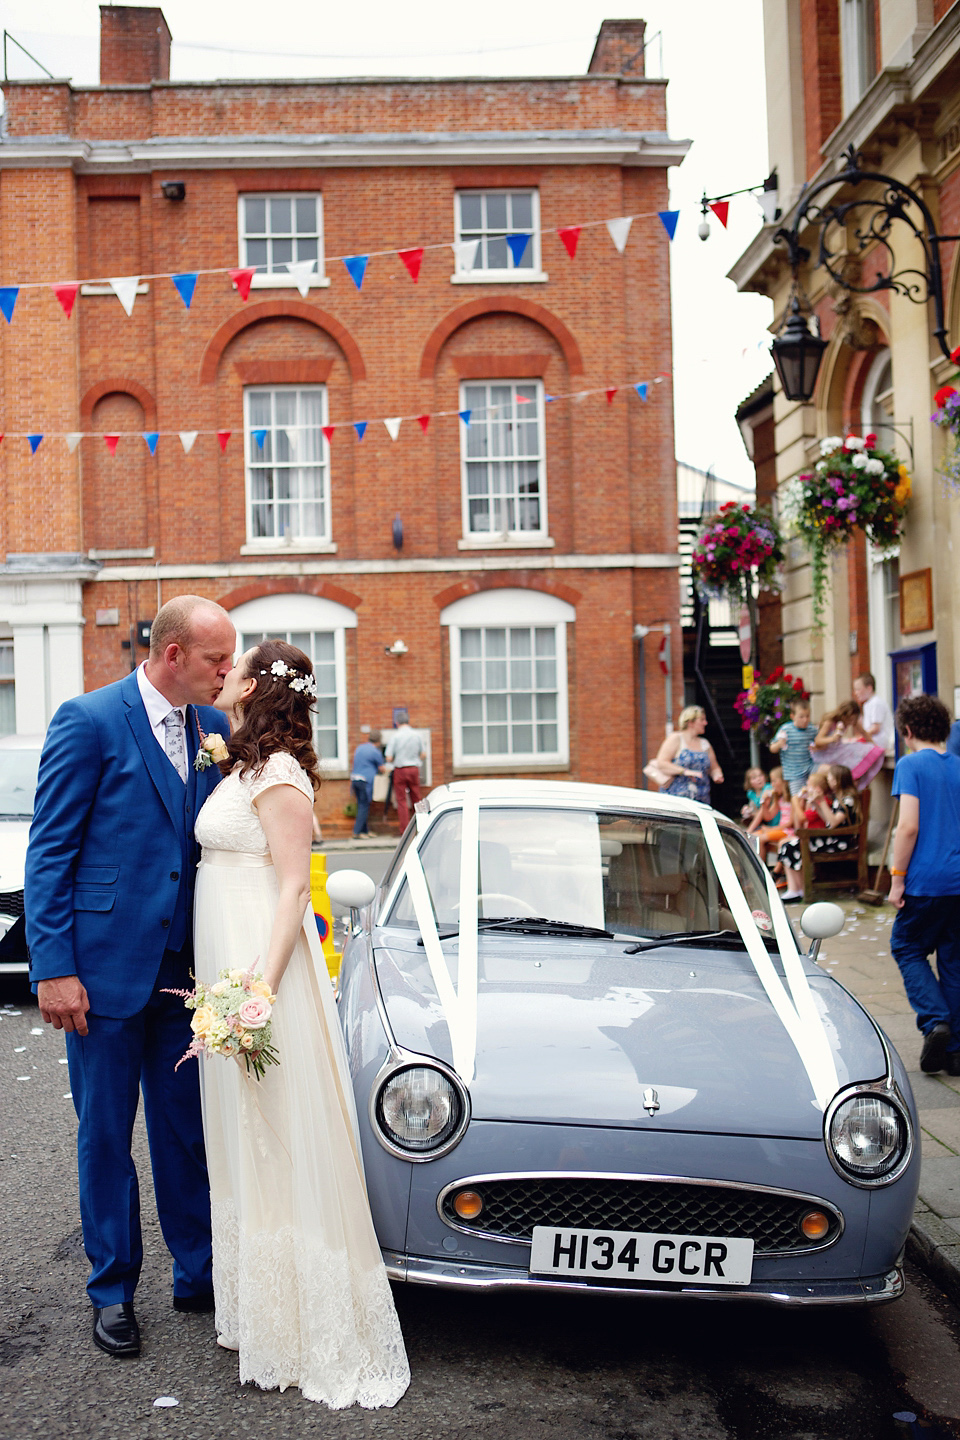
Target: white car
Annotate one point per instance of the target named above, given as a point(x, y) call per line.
point(19, 762)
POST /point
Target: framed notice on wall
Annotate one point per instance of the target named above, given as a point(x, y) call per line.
point(916, 602)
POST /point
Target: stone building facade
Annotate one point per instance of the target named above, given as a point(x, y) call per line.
point(512, 557)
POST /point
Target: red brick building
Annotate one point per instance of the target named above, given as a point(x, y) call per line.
point(512, 556)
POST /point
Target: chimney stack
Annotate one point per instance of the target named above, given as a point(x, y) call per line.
point(134, 45)
point(619, 49)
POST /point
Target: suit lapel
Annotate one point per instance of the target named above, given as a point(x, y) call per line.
point(159, 769)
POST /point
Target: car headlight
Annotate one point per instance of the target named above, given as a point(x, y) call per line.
point(868, 1137)
point(420, 1111)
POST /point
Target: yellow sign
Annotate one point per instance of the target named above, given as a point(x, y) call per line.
point(747, 674)
point(322, 912)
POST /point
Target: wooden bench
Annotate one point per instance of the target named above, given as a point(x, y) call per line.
point(855, 856)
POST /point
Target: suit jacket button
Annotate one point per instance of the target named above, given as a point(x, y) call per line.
point(165, 924)
point(174, 874)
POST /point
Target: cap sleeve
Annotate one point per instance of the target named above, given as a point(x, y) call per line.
point(280, 769)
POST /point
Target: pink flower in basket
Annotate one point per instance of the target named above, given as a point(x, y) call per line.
point(254, 1013)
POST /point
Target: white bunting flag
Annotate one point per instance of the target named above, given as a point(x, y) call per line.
point(293, 439)
point(393, 426)
point(465, 254)
point(301, 271)
point(73, 440)
point(619, 231)
point(125, 289)
point(187, 438)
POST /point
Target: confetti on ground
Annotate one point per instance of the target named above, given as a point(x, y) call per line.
point(14, 1012)
point(37, 1030)
point(23, 1077)
point(63, 1062)
point(69, 1095)
point(19, 1049)
point(165, 1401)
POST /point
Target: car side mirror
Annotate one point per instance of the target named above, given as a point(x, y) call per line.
point(821, 922)
point(350, 890)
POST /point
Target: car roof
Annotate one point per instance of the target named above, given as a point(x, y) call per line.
point(562, 792)
point(21, 742)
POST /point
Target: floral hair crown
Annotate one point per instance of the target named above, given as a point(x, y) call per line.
point(306, 684)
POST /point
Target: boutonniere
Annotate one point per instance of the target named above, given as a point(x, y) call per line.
point(212, 750)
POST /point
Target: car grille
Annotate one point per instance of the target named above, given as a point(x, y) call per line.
point(512, 1207)
point(11, 903)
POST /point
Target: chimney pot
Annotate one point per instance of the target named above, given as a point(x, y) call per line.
point(619, 49)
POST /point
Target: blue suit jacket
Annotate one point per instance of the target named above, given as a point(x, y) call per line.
point(111, 845)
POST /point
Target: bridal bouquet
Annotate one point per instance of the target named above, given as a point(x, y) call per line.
point(232, 1018)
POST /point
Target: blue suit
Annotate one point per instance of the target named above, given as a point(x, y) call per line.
point(109, 897)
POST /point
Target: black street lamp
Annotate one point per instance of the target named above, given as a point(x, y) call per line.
point(796, 351)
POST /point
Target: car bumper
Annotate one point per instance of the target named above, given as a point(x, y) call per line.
point(471, 1275)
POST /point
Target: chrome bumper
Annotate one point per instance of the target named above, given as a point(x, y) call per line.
point(467, 1275)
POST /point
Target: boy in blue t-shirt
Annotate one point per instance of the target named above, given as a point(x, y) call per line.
point(925, 879)
point(793, 739)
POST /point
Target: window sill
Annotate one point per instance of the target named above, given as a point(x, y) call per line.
point(544, 542)
point(147, 553)
point(333, 770)
point(499, 277)
point(142, 289)
point(296, 547)
point(513, 767)
point(287, 282)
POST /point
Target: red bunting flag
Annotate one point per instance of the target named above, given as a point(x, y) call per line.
point(422, 420)
point(223, 436)
point(413, 260)
point(570, 235)
point(610, 394)
point(327, 432)
point(112, 442)
point(67, 295)
point(242, 279)
point(721, 208)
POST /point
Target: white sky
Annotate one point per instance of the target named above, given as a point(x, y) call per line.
point(712, 55)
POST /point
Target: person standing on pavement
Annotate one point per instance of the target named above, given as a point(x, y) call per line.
point(405, 749)
point(925, 879)
point(110, 875)
point(367, 765)
point(792, 744)
point(875, 713)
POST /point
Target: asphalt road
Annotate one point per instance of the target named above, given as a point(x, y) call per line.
point(514, 1368)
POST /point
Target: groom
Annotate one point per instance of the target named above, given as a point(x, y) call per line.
point(109, 902)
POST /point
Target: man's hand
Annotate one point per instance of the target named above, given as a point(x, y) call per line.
point(896, 891)
point(63, 1003)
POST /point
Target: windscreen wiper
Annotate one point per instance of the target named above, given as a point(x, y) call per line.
point(536, 925)
point(679, 937)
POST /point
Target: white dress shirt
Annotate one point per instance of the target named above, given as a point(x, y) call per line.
point(877, 712)
point(404, 747)
point(158, 707)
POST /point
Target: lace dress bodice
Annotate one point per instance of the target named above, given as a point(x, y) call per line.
point(229, 820)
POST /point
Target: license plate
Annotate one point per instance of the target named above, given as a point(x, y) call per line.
point(628, 1255)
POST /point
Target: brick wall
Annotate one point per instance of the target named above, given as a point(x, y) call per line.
point(822, 94)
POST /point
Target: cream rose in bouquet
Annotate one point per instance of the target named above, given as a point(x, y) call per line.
point(232, 1018)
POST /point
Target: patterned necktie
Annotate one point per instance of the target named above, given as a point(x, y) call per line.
point(174, 743)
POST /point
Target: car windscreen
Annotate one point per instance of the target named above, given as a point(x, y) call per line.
point(18, 782)
point(632, 874)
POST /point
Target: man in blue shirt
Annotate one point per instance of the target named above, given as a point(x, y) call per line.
point(925, 879)
point(367, 763)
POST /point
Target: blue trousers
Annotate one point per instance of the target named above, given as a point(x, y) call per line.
point(924, 924)
point(108, 1068)
point(363, 794)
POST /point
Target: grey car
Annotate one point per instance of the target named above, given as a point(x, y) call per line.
point(589, 1053)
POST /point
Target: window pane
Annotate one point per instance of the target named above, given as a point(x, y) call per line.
point(497, 254)
point(255, 215)
point(282, 252)
point(496, 211)
point(498, 740)
point(257, 253)
point(470, 212)
point(505, 427)
point(280, 215)
point(496, 642)
point(496, 707)
point(307, 248)
point(471, 675)
point(300, 474)
point(509, 703)
point(522, 210)
point(306, 212)
point(471, 642)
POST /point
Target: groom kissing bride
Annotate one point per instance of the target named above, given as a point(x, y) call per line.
point(110, 882)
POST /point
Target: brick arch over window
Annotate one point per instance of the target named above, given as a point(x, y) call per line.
point(271, 310)
point(119, 491)
point(463, 588)
point(303, 585)
point(120, 386)
point(504, 305)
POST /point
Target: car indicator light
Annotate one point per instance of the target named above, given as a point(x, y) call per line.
point(814, 1225)
point(468, 1204)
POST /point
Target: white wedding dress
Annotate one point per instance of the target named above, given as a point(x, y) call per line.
point(300, 1287)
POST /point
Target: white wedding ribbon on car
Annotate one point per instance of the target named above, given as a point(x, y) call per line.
point(795, 1007)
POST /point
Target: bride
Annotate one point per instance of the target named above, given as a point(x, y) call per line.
point(300, 1287)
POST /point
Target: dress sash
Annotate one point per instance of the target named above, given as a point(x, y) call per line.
point(240, 859)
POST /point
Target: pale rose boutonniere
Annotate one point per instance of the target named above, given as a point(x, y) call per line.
point(212, 751)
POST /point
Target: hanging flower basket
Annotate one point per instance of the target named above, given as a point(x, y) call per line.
point(737, 546)
point(766, 705)
point(854, 486)
point(947, 416)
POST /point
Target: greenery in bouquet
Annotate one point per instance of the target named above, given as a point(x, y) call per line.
point(853, 486)
point(947, 417)
point(737, 545)
point(766, 705)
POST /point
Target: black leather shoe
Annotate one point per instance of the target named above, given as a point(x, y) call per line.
point(952, 1063)
point(195, 1304)
point(934, 1053)
point(115, 1330)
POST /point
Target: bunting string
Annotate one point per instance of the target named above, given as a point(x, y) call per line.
point(392, 423)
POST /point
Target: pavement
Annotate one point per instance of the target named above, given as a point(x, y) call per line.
point(859, 957)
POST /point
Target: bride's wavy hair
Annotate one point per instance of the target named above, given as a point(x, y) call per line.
point(275, 717)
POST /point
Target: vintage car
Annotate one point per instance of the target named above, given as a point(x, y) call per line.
point(19, 763)
point(590, 1054)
